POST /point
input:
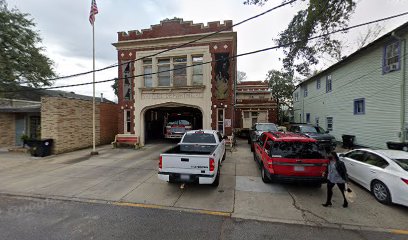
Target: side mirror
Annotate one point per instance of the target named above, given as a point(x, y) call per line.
point(341, 155)
point(327, 132)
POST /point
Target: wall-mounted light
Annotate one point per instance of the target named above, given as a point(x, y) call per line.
point(121, 107)
point(215, 106)
point(225, 105)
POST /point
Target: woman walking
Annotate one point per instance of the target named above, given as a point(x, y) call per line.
point(337, 174)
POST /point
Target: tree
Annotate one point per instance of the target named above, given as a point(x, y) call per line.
point(21, 58)
point(282, 86)
point(319, 17)
point(241, 76)
point(115, 87)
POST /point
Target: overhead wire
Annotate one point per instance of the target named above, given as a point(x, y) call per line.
point(230, 57)
point(175, 47)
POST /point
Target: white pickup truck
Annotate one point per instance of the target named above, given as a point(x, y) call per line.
point(196, 159)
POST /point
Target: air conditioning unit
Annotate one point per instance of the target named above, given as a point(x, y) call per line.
point(393, 67)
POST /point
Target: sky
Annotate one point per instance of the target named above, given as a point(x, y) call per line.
point(67, 34)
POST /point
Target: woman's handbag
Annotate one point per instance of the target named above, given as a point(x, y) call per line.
point(350, 194)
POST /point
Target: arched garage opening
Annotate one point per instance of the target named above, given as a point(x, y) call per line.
point(168, 121)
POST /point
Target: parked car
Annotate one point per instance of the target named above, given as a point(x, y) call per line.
point(323, 137)
point(257, 129)
point(290, 157)
point(383, 172)
point(196, 159)
point(177, 128)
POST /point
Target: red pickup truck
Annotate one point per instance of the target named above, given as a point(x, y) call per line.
point(290, 157)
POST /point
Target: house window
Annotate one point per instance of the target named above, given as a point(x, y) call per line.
point(328, 83)
point(164, 72)
point(198, 70)
point(127, 87)
point(296, 96)
point(220, 120)
point(359, 106)
point(180, 71)
point(391, 59)
point(329, 121)
point(147, 71)
point(307, 117)
point(246, 114)
point(318, 83)
point(127, 122)
point(305, 91)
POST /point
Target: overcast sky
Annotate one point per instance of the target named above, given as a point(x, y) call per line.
point(67, 33)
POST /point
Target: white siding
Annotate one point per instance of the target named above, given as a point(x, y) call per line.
point(358, 78)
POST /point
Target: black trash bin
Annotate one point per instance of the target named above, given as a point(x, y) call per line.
point(41, 148)
point(348, 141)
point(397, 146)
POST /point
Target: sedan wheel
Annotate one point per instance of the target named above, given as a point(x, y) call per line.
point(381, 192)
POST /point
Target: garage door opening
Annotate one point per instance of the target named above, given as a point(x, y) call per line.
point(170, 123)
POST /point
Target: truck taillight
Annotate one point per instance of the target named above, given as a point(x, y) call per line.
point(212, 164)
point(404, 180)
point(161, 162)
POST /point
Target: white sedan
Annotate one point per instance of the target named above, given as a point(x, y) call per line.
point(383, 172)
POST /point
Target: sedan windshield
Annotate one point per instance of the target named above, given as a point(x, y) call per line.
point(403, 163)
point(308, 129)
point(266, 127)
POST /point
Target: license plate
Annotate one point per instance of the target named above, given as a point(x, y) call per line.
point(184, 177)
point(299, 168)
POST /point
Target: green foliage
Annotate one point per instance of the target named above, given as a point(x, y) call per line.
point(319, 17)
point(115, 87)
point(282, 86)
point(21, 59)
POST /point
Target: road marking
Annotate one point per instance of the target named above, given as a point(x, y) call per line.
point(397, 231)
point(141, 205)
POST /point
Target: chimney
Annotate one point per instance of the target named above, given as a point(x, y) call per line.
point(101, 97)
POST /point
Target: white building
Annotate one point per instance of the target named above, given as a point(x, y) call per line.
point(364, 95)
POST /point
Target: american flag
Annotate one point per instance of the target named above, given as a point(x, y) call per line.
point(93, 12)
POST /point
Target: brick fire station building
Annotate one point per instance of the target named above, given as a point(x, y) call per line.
point(204, 91)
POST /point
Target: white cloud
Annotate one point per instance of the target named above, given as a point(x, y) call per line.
point(67, 35)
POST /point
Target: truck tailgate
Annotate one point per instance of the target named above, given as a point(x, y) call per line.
point(178, 163)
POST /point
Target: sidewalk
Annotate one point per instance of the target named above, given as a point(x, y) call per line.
point(128, 177)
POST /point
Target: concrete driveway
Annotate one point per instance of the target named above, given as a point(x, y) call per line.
point(129, 177)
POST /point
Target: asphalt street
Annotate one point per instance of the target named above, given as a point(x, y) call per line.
point(31, 218)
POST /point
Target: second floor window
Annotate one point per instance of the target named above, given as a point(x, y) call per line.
point(296, 96)
point(318, 83)
point(180, 71)
point(147, 70)
point(198, 70)
point(164, 72)
point(305, 91)
point(391, 61)
point(328, 83)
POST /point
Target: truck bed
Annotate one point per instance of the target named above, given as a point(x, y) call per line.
point(192, 149)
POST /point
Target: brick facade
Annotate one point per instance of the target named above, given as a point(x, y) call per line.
point(171, 33)
point(8, 131)
point(108, 122)
point(69, 123)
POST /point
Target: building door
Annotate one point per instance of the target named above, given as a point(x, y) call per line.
point(127, 122)
point(20, 129)
point(220, 121)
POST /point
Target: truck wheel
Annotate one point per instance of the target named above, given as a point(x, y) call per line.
point(217, 178)
point(265, 178)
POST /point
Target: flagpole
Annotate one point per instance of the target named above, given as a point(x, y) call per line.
point(94, 152)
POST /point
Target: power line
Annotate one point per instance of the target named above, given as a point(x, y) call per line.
point(231, 57)
point(173, 48)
